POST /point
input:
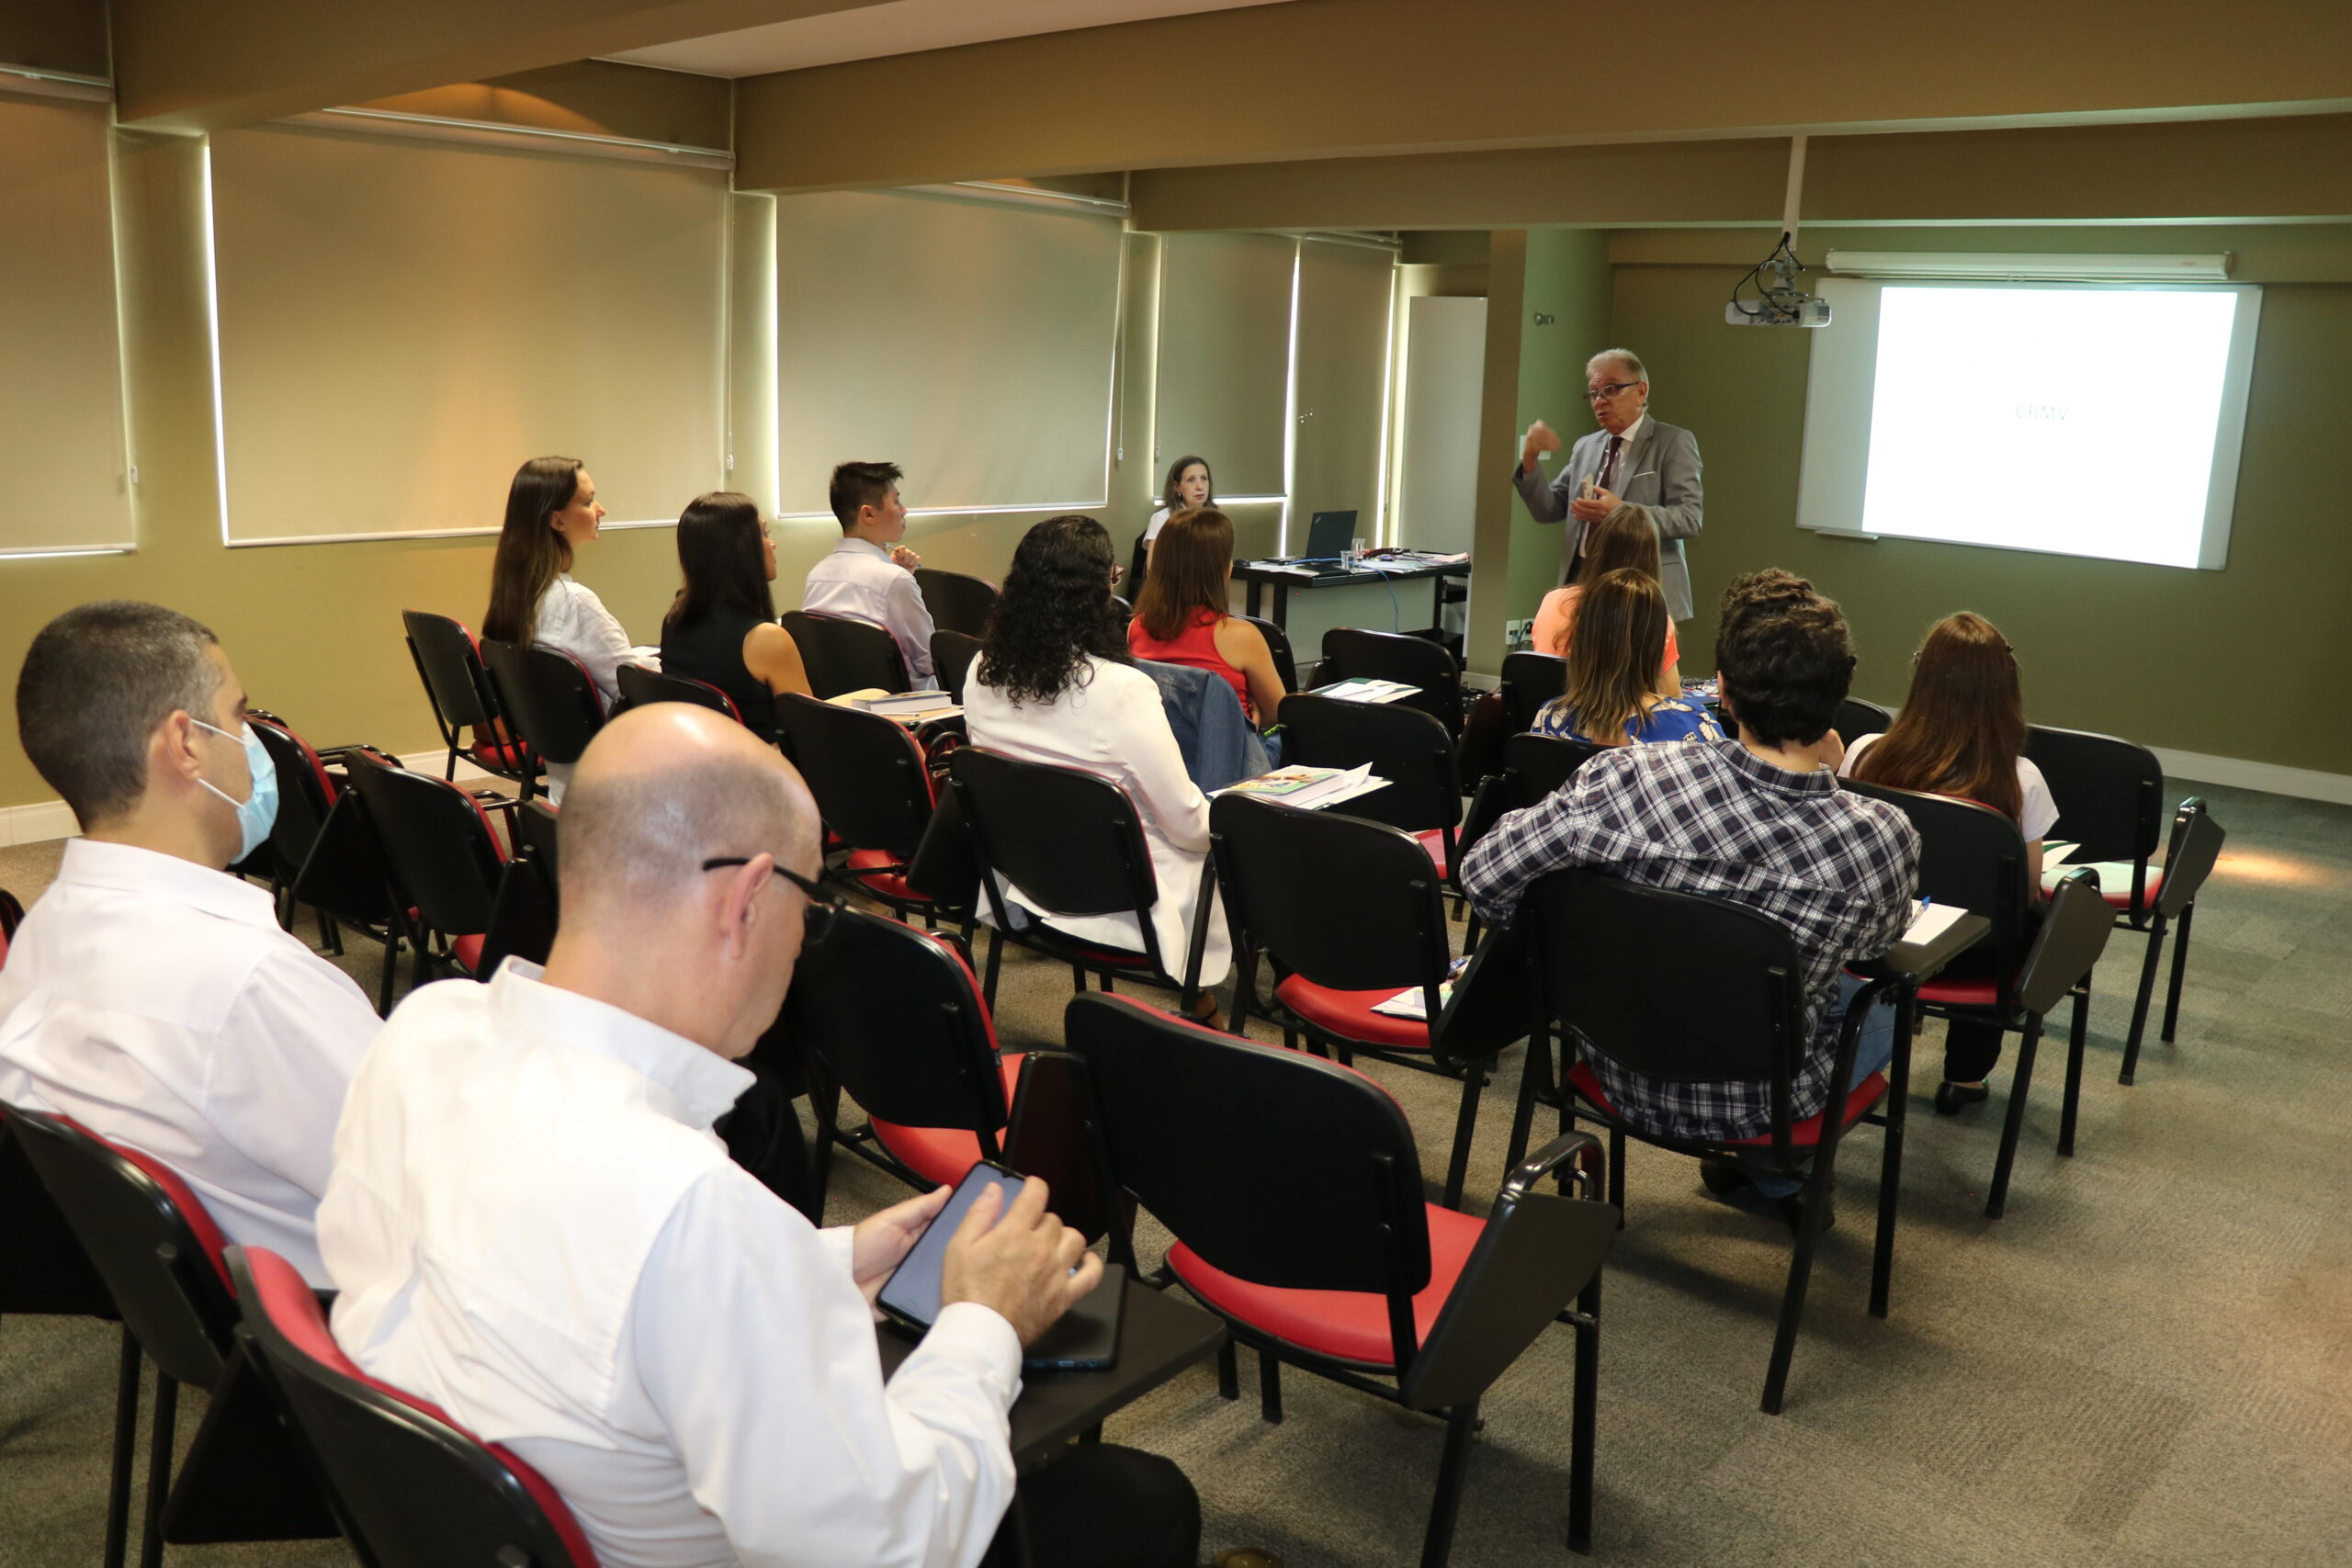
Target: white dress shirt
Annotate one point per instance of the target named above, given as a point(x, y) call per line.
point(532, 1226)
point(861, 581)
point(156, 1002)
point(1112, 724)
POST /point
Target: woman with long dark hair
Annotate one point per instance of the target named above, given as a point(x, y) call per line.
point(1624, 540)
point(721, 628)
point(1188, 484)
point(1961, 732)
point(1180, 617)
point(1612, 698)
point(1054, 684)
point(552, 514)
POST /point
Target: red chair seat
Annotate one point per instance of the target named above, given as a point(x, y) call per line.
point(468, 951)
point(1865, 1094)
point(941, 1155)
point(888, 883)
point(1434, 842)
point(2120, 897)
point(1983, 993)
point(1349, 1014)
point(510, 756)
point(1350, 1325)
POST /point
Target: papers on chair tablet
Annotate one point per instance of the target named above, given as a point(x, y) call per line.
point(1310, 788)
point(906, 708)
point(1364, 689)
point(1929, 921)
point(1414, 1004)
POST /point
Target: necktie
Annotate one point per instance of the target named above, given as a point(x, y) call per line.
point(1609, 463)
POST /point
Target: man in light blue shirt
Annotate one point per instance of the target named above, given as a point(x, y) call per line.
point(870, 576)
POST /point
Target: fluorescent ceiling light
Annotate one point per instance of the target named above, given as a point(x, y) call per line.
point(1982, 267)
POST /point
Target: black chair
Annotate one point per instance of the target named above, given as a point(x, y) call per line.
point(842, 655)
point(1292, 1187)
point(1530, 680)
point(445, 860)
point(2074, 929)
point(1351, 653)
point(2110, 799)
point(411, 1488)
point(1284, 870)
point(1285, 662)
point(952, 654)
point(1403, 745)
point(1545, 763)
point(1612, 965)
point(2190, 856)
point(533, 830)
point(640, 686)
point(448, 662)
point(892, 1016)
point(547, 696)
point(872, 789)
point(956, 603)
point(1857, 718)
point(1072, 844)
point(149, 1239)
point(522, 921)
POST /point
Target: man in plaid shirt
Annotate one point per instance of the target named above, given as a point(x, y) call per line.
point(1758, 820)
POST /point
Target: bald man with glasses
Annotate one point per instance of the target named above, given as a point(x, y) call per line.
point(1632, 457)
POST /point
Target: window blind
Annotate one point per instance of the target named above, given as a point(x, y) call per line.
point(1344, 307)
point(1225, 328)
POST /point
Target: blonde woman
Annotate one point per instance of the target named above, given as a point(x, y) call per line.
point(1614, 696)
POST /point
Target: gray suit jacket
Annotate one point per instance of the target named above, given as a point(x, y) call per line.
point(1659, 470)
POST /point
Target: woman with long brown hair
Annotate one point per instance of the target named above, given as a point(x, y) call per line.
point(721, 628)
point(1961, 732)
point(551, 512)
point(1612, 698)
point(1624, 540)
point(1180, 617)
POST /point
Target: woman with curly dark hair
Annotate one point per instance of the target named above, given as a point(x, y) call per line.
point(1054, 684)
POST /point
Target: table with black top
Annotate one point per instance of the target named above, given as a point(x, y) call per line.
point(1158, 1336)
point(1283, 580)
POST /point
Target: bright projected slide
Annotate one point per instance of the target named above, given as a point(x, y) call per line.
point(2075, 419)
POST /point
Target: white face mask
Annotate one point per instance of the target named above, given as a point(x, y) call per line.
point(257, 813)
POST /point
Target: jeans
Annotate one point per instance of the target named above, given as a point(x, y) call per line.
point(1873, 1051)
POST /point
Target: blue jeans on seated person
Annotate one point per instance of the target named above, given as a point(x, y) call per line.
point(1873, 1051)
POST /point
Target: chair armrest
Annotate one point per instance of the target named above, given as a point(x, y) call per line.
point(1590, 1173)
point(1915, 963)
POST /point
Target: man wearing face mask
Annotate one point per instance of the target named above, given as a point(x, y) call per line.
point(149, 994)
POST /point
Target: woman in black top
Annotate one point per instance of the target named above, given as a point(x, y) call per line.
point(722, 628)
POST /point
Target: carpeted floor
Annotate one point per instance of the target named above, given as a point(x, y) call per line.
point(2148, 1361)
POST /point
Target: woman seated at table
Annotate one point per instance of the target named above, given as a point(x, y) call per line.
point(1181, 617)
point(722, 628)
point(1624, 540)
point(1613, 697)
point(1962, 733)
point(1054, 684)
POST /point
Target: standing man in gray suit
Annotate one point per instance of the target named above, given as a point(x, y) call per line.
point(1632, 457)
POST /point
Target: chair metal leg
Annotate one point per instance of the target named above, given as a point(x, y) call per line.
point(1438, 1544)
point(1270, 1387)
point(996, 955)
point(1814, 1202)
point(1077, 976)
point(1228, 1370)
point(391, 957)
point(1108, 988)
point(126, 1446)
point(159, 1471)
point(2140, 1006)
point(1997, 1199)
point(1616, 1168)
point(2074, 1038)
point(1465, 1124)
point(1581, 1417)
point(1539, 1056)
point(1890, 1162)
point(2180, 965)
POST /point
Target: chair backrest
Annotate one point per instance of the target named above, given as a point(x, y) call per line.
point(1071, 841)
point(1284, 870)
point(1973, 858)
point(1274, 1166)
point(956, 603)
point(1278, 645)
point(897, 1020)
point(841, 655)
point(2195, 846)
point(2109, 793)
point(12, 915)
point(346, 874)
point(547, 694)
point(640, 686)
point(148, 1236)
point(866, 772)
point(1857, 717)
point(43, 1268)
point(522, 921)
point(1530, 680)
point(952, 656)
point(443, 856)
point(306, 792)
point(1543, 764)
point(1351, 652)
point(1606, 953)
point(412, 1487)
point(449, 664)
point(1405, 746)
point(2074, 929)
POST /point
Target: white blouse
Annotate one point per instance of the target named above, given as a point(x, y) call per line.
point(572, 619)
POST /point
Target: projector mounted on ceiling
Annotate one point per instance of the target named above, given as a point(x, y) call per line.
point(1777, 301)
point(1963, 266)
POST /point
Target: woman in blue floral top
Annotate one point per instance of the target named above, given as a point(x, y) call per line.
point(1613, 672)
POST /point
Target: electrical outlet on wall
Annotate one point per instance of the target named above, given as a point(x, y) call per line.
point(1518, 635)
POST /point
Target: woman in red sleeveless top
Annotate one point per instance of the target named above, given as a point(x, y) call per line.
point(1181, 618)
